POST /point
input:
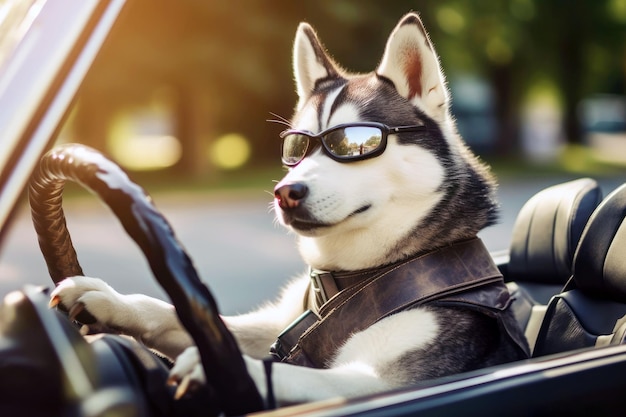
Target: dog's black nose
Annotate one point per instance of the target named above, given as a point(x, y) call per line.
point(290, 196)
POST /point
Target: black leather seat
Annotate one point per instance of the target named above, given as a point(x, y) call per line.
point(545, 236)
point(591, 310)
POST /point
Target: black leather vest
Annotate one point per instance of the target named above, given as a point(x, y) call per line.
point(460, 275)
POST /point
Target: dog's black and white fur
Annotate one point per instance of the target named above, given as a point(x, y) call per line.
point(425, 191)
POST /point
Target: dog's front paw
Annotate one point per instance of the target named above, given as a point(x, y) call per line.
point(92, 294)
point(187, 372)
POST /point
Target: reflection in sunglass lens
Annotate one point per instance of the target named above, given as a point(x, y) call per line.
point(354, 141)
point(294, 148)
point(344, 143)
point(337, 142)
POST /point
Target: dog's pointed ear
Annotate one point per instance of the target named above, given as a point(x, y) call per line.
point(411, 63)
point(311, 63)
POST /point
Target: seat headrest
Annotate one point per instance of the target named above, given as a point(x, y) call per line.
point(547, 230)
point(600, 259)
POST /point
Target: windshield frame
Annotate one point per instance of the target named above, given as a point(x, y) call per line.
point(38, 81)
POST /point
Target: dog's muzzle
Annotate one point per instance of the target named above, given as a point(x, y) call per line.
point(290, 199)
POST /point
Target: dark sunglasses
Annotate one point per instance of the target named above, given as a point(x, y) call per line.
point(343, 143)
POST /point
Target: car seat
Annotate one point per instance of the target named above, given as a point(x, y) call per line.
point(591, 310)
point(545, 235)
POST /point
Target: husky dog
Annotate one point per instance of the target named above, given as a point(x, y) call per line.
point(410, 187)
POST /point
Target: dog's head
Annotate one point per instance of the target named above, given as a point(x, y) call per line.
point(354, 212)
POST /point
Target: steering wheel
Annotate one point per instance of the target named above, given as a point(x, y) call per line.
point(223, 364)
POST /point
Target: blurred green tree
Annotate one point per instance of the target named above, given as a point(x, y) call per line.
point(224, 66)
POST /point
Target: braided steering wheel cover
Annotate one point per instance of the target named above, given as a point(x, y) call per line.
point(223, 364)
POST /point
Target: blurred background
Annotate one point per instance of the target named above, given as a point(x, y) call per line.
point(183, 89)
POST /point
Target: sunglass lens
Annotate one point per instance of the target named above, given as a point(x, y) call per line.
point(353, 141)
point(294, 148)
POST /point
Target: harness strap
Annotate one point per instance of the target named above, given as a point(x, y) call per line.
point(445, 272)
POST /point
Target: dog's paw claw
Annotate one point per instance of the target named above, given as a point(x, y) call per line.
point(182, 387)
point(75, 310)
point(88, 295)
point(187, 372)
point(54, 301)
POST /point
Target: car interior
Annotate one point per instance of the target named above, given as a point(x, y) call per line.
point(565, 268)
point(591, 309)
point(544, 239)
point(565, 272)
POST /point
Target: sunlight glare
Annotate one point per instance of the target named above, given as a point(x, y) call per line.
point(147, 152)
point(230, 151)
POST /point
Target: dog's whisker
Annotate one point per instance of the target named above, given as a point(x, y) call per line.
point(280, 120)
point(284, 119)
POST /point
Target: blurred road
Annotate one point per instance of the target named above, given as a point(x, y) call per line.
point(238, 249)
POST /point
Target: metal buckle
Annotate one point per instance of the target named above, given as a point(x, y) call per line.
point(320, 294)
